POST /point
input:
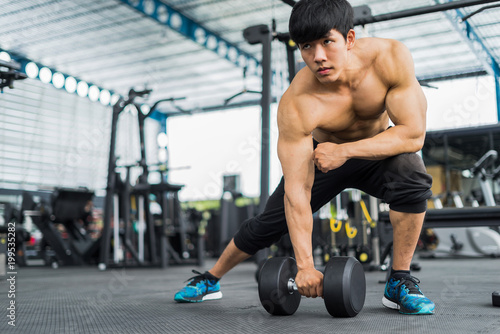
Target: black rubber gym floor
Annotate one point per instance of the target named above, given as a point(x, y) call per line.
point(85, 300)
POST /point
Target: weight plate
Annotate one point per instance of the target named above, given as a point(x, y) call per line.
point(257, 272)
point(344, 286)
point(274, 291)
point(496, 298)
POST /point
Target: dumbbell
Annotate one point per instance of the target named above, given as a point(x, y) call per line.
point(344, 286)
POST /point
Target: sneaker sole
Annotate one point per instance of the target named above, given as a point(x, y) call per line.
point(213, 296)
point(210, 296)
point(394, 306)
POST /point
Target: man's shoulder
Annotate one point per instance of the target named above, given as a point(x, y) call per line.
point(388, 56)
point(302, 86)
point(299, 88)
point(376, 46)
point(291, 100)
point(293, 107)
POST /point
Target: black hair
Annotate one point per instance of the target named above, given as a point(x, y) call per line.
point(313, 19)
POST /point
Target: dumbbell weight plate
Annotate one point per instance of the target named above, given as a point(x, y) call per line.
point(496, 298)
point(275, 292)
point(344, 286)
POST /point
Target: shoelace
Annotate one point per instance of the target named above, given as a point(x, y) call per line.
point(410, 283)
point(195, 279)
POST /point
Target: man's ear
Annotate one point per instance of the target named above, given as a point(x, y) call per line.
point(350, 39)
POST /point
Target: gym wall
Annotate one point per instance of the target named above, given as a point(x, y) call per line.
point(50, 138)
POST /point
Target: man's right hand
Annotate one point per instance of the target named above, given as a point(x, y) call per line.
point(309, 282)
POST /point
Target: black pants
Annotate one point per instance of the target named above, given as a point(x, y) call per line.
point(401, 181)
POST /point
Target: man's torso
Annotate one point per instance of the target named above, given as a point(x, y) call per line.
point(351, 113)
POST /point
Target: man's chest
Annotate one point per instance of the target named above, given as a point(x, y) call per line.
point(352, 110)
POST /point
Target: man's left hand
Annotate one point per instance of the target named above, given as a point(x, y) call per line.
point(328, 156)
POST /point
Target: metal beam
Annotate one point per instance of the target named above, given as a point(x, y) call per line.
point(439, 7)
point(262, 34)
point(189, 28)
point(452, 76)
point(475, 43)
point(468, 16)
point(289, 2)
point(267, 78)
point(163, 114)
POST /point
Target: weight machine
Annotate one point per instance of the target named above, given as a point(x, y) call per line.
point(65, 242)
point(350, 229)
point(136, 236)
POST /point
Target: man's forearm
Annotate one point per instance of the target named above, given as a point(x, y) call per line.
point(300, 225)
point(393, 141)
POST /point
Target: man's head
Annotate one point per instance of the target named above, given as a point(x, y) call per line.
point(313, 19)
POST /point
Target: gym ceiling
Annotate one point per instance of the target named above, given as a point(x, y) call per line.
point(194, 50)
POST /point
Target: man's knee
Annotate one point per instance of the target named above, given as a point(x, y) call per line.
point(407, 184)
point(255, 235)
point(405, 164)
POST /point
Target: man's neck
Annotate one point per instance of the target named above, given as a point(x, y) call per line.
point(350, 77)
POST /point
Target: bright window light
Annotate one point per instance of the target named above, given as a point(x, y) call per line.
point(130, 109)
point(70, 85)
point(149, 6)
point(82, 89)
point(162, 139)
point(162, 13)
point(145, 109)
point(31, 70)
point(162, 155)
point(211, 42)
point(200, 35)
point(94, 92)
point(176, 21)
point(252, 66)
point(114, 99)
point(105, 97)
point(242, 60)
point(5, 56)
point(232, 54)
point(45, 75)
point(58, 80)
point(222, 50)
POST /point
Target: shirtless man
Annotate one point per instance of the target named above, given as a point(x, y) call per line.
point(334, 134)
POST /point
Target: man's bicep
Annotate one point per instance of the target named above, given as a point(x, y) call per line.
point(405, 100)
point(407, 105)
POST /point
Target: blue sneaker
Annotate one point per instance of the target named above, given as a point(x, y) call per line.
point(405, 295)
point(199, 289)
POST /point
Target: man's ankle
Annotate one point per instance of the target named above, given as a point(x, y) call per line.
point(398, 274)
point(211, 277)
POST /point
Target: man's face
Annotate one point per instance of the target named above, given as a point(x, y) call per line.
point(327, 57)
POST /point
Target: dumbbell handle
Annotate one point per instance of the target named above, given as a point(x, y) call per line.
point(291, 286)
